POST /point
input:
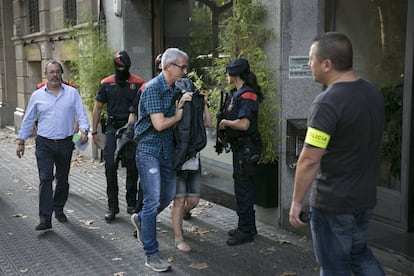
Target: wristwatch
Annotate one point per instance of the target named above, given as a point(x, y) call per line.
point(84, 131)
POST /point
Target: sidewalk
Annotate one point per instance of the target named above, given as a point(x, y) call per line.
point(87, 245)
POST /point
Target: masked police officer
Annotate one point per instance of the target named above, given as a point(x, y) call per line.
point(240, 125)
point(120, 92)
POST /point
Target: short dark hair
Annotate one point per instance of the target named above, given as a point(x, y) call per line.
point(337, 48)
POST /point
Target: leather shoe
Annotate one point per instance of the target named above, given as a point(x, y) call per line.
point(233, 232)
point(240, 238)
point(61, 217)
point(44, 225)
point(110, 214)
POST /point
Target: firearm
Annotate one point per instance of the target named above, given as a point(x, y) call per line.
point(221, 143)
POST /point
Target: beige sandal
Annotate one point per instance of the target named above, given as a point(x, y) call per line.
point(182, 246)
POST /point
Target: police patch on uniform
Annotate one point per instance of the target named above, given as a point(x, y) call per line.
point(249, 96)
point(132, 86)
point(317, 138)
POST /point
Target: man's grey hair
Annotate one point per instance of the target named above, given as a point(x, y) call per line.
point(171, 55)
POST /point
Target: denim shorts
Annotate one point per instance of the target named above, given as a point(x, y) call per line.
point(188, 184)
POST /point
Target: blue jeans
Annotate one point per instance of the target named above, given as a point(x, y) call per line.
point(158, 183)
point(340, 244)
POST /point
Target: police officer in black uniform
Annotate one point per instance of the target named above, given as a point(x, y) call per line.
point(240, 125)
point(120, 92)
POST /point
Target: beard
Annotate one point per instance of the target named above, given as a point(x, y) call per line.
point(55, 83)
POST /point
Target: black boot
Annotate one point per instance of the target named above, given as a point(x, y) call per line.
point(240, 238)
point(131, 210)
point(233, 232)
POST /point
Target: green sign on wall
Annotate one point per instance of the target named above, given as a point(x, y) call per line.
point(299, 68)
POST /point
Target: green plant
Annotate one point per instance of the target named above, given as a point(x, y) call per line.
point(93, 60)
point(391, 144)
point(197, 80)
point(245, 37)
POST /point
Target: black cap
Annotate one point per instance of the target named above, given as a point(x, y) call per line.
point(238, 66)
point(121, 58)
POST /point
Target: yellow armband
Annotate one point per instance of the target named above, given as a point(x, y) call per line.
point(317, 138)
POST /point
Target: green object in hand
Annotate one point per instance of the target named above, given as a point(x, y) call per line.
point(76, 138)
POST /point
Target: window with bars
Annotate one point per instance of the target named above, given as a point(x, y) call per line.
point(34, 16)
point(69, 11)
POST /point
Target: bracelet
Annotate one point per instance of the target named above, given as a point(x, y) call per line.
point(94, 133)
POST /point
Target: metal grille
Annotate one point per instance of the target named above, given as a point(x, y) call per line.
point(34, 16)
point(69, 11)
point(296, 132)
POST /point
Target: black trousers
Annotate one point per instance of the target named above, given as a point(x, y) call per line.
point(112, 176)
point(51, 154)
point(244, 192)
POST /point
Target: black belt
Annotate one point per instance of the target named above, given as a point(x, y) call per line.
point(117, 123)
point(69, 138)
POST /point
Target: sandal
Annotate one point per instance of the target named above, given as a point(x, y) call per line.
point(182, 246)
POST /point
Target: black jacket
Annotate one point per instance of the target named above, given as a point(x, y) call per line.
point(190, 134)
point(125, 144)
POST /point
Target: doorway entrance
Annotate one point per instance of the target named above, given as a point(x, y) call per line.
point(383, 46)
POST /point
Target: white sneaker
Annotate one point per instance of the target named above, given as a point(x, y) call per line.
point(156, 263)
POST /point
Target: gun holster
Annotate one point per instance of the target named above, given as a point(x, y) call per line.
point(248, 163)
point(115, 123)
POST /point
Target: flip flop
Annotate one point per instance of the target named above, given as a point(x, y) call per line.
point(182, 246)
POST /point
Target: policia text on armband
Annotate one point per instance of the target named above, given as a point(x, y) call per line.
point(317, 138)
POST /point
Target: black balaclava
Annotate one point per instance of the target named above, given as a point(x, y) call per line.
point(121, 59)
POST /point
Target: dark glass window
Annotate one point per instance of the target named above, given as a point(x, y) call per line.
point(69, 11)
point(34, 16)
point(377, 30)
